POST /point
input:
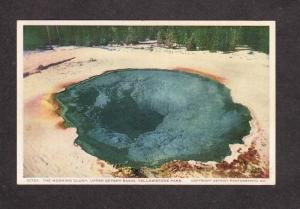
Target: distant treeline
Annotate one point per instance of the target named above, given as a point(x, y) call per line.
point(213, 38)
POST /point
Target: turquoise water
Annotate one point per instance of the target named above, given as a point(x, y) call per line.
point(145, 117)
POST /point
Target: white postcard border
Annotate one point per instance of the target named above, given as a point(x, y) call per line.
point(147, 181)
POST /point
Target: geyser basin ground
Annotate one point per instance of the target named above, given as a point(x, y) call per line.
point(145, 117)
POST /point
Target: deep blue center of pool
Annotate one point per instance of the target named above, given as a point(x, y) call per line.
point(145, 117)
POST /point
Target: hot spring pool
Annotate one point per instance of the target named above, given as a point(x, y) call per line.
point(145, 117)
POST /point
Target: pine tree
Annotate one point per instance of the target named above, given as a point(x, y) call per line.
point(131, 37)
point(159, 38)
point(222, 38)
point(191, 43)
point(49, 36)
point(170, 39)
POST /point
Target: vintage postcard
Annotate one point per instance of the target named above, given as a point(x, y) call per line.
point(146, 102)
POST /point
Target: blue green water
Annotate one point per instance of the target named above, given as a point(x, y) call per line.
point(145, 117)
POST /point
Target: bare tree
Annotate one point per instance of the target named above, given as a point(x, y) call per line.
point(58, 35)
point(49, 36)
